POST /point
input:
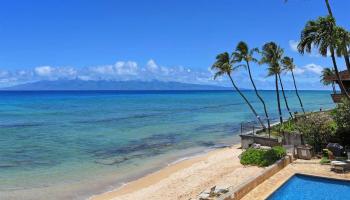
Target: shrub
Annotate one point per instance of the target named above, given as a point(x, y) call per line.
point(325, 160)
point(325, 153)
point(262, 158)
point(280, 151)
point(317, 128)
point(341, 117)
point(251, 157)
point(288, 126)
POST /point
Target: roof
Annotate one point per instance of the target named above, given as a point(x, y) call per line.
point(344, 76)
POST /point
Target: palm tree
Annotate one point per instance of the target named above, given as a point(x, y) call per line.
point(329, 9)
point(343, 44)
point(284, 94)
point(223, 65)
point(288, 65)
point(242, 53)
point(319, 33)
point(327, 72)
point(271, 54)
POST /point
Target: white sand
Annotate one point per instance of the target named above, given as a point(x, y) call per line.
point(187, 178)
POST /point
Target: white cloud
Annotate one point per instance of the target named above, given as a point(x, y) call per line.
point(151, 70)
point(309, 68)
point(152, 66)
point(293, 45)
point(119, 68)
point(43, 70)
point(317, 69)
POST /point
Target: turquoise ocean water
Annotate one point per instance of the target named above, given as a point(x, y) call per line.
point(71, 145)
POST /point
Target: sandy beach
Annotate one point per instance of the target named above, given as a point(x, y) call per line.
point(187, 178)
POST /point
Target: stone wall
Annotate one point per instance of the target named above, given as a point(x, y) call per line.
point(243, 189)
point(248, 140)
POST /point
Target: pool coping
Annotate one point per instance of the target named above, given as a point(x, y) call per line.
point(244, 188)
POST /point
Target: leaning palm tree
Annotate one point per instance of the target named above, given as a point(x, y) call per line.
point(288, 65)
point(284, 94)
point(319, 34)
point(242, 53)
point(271, 55)
point(222, 66)
point(327, 72)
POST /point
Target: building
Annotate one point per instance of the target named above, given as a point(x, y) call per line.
point(345, 78)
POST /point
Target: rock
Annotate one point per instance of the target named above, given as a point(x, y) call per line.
point(256, 146)
point(204, 196)
point(265, 147)
point(221, 190)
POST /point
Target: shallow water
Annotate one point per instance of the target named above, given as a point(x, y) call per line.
point(74, 144)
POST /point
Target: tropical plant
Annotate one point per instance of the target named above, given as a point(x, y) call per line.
point(261, 157)
point(326, 73)
point(222, 66)
point(343, 44)
point(288, 65)
point(343, 37)
point(317, 128)
point(244, 54)
point(342, 116)
point(271, 55)
point(319, 34)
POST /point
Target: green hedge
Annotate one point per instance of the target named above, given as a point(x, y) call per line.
point(262, 158)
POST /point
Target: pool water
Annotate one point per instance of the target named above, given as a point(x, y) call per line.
point(310, 187)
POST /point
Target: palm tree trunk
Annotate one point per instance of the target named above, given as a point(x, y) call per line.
point(333, 86)
point(278, 99)
point(347, 60)
point(260, 98)
point(246, 100)
point(329, 9)
point(284, 96)
point(341, 85)
point(296, 91)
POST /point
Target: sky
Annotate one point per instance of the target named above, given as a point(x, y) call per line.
point(167, 40)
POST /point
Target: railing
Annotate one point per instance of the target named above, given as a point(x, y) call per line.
point(251, 127)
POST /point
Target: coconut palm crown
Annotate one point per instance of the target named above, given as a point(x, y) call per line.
point(222, 66)
point(271, 55)
point(243, 54)
point(320, 33)
point(289, 66)
point(328, 72)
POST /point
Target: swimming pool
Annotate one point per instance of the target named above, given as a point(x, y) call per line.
point(312, 187)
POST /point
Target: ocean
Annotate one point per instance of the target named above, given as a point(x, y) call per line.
point(73, 144)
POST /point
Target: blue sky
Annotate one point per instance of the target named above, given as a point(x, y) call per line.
point(169, 40)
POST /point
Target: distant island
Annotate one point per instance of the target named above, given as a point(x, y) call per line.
point(111, 85)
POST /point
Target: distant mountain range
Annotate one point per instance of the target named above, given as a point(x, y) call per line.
point(111, 85)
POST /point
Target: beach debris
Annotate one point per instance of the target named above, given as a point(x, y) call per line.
point(256, 146)
point(212, 193)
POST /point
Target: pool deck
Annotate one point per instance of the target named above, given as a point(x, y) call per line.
point(308, 167)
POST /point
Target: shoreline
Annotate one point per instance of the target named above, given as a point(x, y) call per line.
point(162, 173)
point(216, 167)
